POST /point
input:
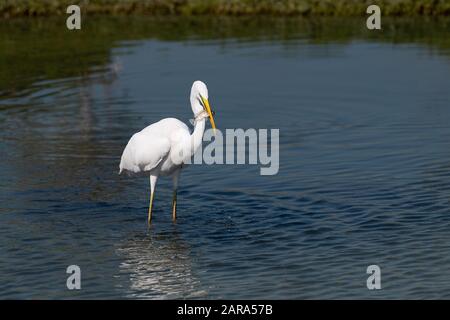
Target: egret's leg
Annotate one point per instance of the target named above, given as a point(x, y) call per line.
point(174, 198)
point(152, 192)
point(150, 207)
point(174, 205)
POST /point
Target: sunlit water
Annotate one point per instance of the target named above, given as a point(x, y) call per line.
point(364, 175)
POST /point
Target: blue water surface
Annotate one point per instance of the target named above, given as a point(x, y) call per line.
point(364, 175)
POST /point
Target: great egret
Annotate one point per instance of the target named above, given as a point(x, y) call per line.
point(163, 147)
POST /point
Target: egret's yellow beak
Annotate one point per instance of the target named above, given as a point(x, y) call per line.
point(210, 113)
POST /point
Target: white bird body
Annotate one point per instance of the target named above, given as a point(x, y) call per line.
point(162, 148)
point(154, 147)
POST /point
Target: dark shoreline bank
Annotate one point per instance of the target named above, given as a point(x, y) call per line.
point(339, 8)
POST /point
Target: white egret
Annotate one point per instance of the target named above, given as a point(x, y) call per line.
point(163, 147)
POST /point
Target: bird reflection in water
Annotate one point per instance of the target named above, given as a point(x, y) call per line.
point(159, 267)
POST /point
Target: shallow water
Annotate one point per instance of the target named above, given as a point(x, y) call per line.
point(364, 163)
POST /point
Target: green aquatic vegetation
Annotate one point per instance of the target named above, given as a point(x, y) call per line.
point(11, 8)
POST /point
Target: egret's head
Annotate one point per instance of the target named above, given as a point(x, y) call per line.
point(199, 101)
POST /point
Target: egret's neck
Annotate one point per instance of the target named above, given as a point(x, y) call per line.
point(197, 135)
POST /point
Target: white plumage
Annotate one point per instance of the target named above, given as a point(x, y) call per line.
point(163, 147)
point(153, 145)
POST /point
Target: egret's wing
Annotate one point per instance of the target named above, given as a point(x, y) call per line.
point(144, 152)
point(151, 151)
